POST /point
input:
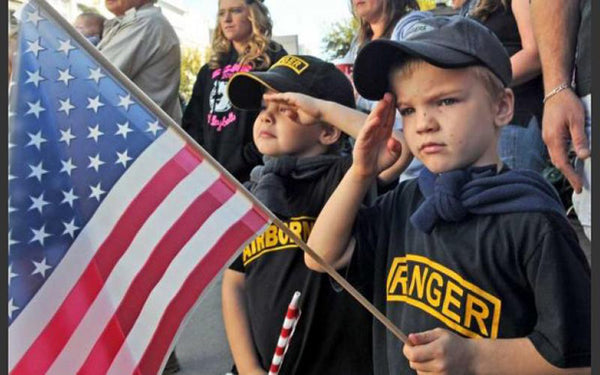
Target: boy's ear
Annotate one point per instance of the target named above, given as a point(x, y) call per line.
point(329, 135)
point(505, 108)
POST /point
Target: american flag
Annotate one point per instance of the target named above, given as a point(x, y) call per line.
point(116, 220)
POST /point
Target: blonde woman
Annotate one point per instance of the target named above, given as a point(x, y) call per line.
point(241, 42)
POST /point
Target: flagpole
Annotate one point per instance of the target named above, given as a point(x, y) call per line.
point(287, 330)
point(168, 121)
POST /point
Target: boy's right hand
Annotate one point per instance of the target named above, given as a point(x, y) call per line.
point(375, 149)
point(307, 107)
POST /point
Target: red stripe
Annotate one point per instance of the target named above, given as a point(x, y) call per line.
point(204, 272)
point(285, 333)
point(44, 350)
point(279, 350)
point(291, 313)
point(274, 369)
point(113, 336)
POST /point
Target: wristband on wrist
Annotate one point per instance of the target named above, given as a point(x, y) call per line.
point(555, 91)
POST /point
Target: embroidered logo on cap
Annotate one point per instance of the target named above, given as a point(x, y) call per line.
point(417, 29)
point(295, 63)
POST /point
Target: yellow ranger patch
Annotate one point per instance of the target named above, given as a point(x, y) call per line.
point(274, 239)
point(444, 294)
point(295, 63)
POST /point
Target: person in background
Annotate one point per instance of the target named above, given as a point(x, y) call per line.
point(241, 43)
point(383, 19)
point(520, 145)
point(90, 25)
point(563, 33)
point(141, 42)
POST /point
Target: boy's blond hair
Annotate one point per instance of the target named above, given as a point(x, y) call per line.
point(490, 81)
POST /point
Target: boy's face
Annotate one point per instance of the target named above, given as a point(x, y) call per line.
point(277, 132)
point(87, 26)
point(449, 119)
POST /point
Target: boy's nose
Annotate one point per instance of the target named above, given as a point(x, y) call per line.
point(426, 122)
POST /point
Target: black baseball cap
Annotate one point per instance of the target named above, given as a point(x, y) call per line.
point(304, 74)
point(444, 41)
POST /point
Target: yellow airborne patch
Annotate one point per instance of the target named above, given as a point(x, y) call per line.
point(274, 239)
point(295, 63)
point(442, 293)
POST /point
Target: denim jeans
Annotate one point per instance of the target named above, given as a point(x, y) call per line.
point(523, 147)
point(582, 202)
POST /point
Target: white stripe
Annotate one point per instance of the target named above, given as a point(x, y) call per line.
point(287, 323)
point(277, 360)
point(282, 342)
point(147, 323)
point(42, 307)
point(118, 283)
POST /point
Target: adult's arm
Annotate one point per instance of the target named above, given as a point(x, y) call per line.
point(526, 62)
point(237, 325)
point(555, 28)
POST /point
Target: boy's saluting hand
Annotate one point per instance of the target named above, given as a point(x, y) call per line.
point(375, 149)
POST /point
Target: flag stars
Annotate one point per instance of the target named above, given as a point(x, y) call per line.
point(96, 192)
point(34, 47)
point(11, 308)
point(124, 129)
point(65, 76)
point(122, 158)
point(11, 274)
point(39, 235)
point(95, 132)
point(66, 106)
point(66, 136)
point(94, 103)
point(67, 166)
point(153, 127)
point(34, 77)
point(96, 75)
point(40, 267)
point(36, 140)
point(11, 241)
point(70, 228)
point(38, 203)
point(11, 209)
point(35, 108)
point(69, 197)
point(95, 162)
point(34, 17)
point(125, 101)
point(37, 171)
point(65, 46)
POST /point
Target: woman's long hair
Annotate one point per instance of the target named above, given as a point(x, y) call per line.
point(255, 53)
point(484, 8)
point(393, 11)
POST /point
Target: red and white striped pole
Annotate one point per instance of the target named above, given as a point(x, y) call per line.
point(291, 319)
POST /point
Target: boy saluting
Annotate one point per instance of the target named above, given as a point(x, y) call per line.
point(470, 249)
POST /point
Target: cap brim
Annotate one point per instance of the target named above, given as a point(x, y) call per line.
point(374, 61)
point(245, 89)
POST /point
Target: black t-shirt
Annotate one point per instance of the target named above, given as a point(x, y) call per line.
point(332, 335)
point(222, 130)
point(493, 276)
point(583, 61)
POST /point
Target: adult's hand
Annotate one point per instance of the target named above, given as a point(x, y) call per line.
point(564, 120)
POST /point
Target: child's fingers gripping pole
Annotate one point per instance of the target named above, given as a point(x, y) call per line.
point(289, 323)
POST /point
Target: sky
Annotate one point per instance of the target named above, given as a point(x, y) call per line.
point(309, 19)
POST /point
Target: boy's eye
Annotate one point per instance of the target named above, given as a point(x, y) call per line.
point(448, 101)
point(406, 111)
